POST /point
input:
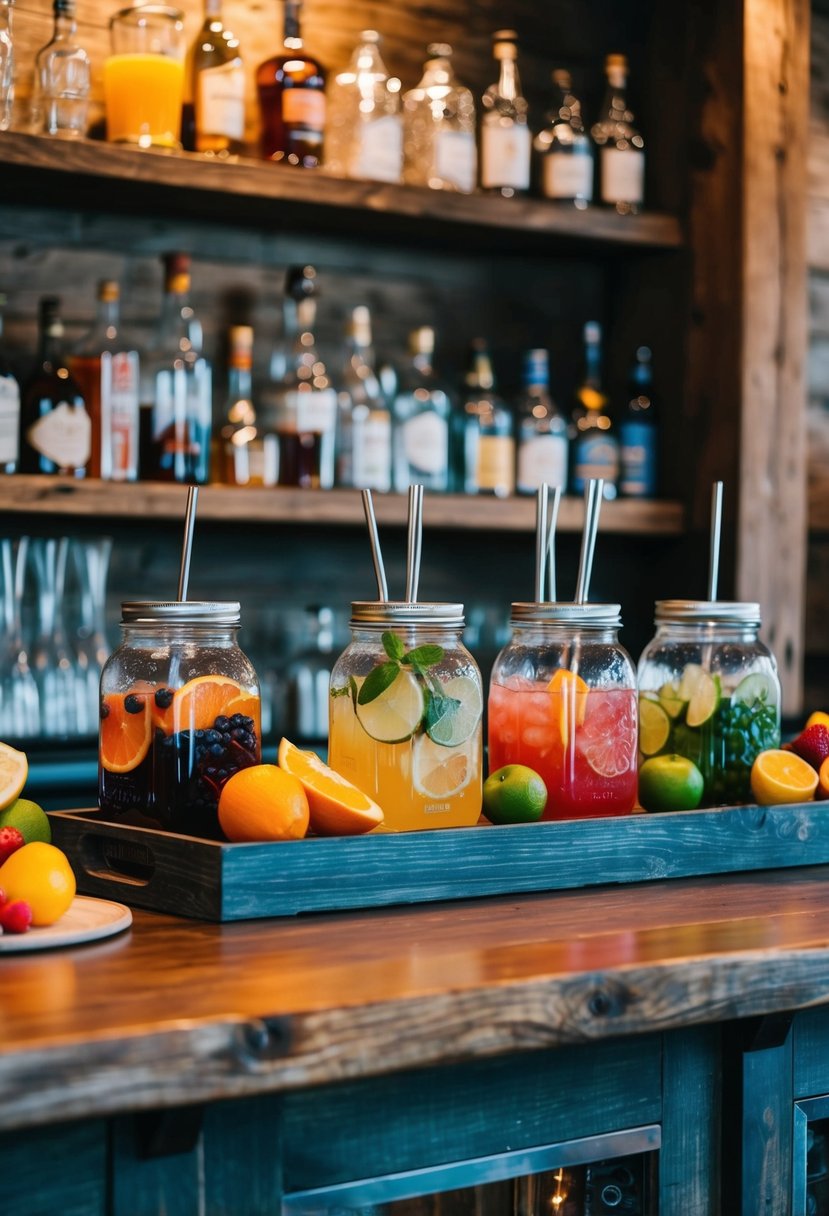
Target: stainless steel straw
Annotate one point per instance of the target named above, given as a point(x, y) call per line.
point(592, 506)
point(376, 555)
point(415, 540)
point(187, 547)
point(716, 531)
point(551, 544)
point(540, 540)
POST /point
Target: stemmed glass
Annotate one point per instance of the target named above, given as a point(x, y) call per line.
point(91, 560)
point(53, 666)
point(19, 699)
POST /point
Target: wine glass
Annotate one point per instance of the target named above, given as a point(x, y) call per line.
point(19, 698)
point(91, 562)
point(53, 667)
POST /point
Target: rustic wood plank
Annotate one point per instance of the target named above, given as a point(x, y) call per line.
point(811, 1057)
point(243, 1158)
point(689, 1161)
point(143, 1186)
point(57, 1169)
point(767, 1131)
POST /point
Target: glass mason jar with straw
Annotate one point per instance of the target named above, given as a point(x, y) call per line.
point(406, 702)
point(180, 710)
point(562, 696)
point(708, 687)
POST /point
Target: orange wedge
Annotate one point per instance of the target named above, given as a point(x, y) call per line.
point(822, 790)
point(570, 691)
point(778, 776)
point(124, 738)
point(198, 704)
point(818, 718)
point(337, 807)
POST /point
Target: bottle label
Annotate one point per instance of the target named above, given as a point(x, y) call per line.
point(64, 436)
point(637, 442)
point(9, 419)
point(568, 175)
point(505, 156)
point(426, 444)
point(372, 453)
point(495, 465)
point(304, 108)
point(623, 175)
point(221, 101)
point(542, 459)
point(119, 415)
point(597, 455)
point(309, 412)
point(456, 159)
point(379, 150)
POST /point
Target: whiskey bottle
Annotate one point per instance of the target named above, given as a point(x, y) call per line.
point(595, 446)
point(239, 444)
point(364, 457)
point(439, 128)
point(55, 427)
point(217, 83)
point(421, 413)
point(639, 433)
point(621, 147)
point(486, 445)
point(291, 91)
point(364, 130)
point(565, 150)
point(62, 77)
point(541, 429)
point(505, 135)
point(9, 408)
point(106, 370)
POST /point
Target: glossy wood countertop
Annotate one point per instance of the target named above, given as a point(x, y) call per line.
point(177, 1011)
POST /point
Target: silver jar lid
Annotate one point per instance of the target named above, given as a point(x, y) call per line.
point(395, 612)
point(598, 615)
point(719, 612)
point(181, 612)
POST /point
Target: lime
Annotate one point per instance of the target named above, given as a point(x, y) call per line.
point(394, 716)
point(31, 821)
point(702, 691)
point(441, 772)
point(514, 794)
point(14, 769)
point(463, 713)
point(670, 783)
point(670, 700)
point(654, 727)
point(754, 688)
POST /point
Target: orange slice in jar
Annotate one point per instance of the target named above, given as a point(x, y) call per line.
point(199, 702)
point(125, 731)
point(570, 701)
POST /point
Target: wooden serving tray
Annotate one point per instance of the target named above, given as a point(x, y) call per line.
point(223, 882)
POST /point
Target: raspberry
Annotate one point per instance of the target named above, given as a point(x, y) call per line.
point(812, 745)
point(16, 917)
point(10, 841)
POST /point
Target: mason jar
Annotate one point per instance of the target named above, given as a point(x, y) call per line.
point(562, 701)
point(712, 693)
point(180, 714)
point(405, 713)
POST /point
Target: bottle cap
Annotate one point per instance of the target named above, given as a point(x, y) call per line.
point(505, 44)
point(360, 326)
point(301, 282)
point(438, 50)
point(592, 332)
point(369, 36)
point(562, 79)
point(599, 616)
point(616, 61)
point(391, 612)
point(241, 337)
point(715, 612)
point(422, 341)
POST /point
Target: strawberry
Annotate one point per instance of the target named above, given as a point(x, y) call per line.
point(812, 745)
point(10, 841)
point(16, 917)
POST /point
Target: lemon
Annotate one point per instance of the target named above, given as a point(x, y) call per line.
point(514, 794)
point(654, 727)
point(702, 692)
point(670, 700)
point(457, 725)
point(31, 821)
point(441, 772)
point(778, 776)
point(670, 783)
point(394, 715)
point(14, 769)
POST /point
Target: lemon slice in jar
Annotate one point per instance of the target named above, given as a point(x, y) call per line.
point(702, 691)
point(394, 715)
point(440, 772)
point(654, 727)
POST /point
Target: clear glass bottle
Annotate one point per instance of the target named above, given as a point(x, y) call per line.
point(439, 128)
point(9, 408)
point(565, 150)
point(62, 78)
point(6, 65)
point(712, 691)
point(595, 446)
point(55, 427)
point(639, 433)
point(505, 135)
point(621, 146)
point(364, 458)
point(291, 90)
point(562, 701)
point(411, 738)
point(107, 371)
point(239, 444)
point(176, 387)
point(364, 131)
point(421, 412)
point(217, 84)
point(486, 445)
point(180, 714)
point(541, 430)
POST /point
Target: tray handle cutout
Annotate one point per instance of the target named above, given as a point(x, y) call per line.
point(117, 861)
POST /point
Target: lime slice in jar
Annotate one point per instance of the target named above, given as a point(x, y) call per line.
point(394, 715)
point(754, 688)
point(670, 700)
point(703, 693)
point(463, 712)
point(654, 727)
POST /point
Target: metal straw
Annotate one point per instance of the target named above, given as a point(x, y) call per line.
point(716, 531)
point(187, 547)
point(592, 505)
point(376, 555)
point(415, 540)
point(540, 540)
point(551, 543)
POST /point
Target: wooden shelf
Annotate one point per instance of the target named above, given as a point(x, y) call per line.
point(91, 173)
point(34, 495)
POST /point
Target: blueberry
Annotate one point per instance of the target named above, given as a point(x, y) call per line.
point(133, 704)
point(216, 749)
point(212, 736)
point(223, 774)
point(104, 710)
point(248, 723)
point(238, 734)
point(236, 720)
point(247, 740)
point(221, 722)
point(199, 734)
point(210, 771)
point(164, 697)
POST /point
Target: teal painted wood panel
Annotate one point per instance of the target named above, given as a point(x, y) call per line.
point(158, 1186)
point(242, 1158)
point(811, 1053)
point(54, 1171)
point(689, 1161)
point(767, 1131)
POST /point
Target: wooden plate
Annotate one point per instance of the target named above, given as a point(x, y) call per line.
point(86, 920)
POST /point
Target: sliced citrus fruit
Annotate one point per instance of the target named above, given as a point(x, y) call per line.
point(198, 704)
point(439, 772)
point(654, 727)
point(702, 692)
point(570, 692)
point(460, 721)
point(670, 700)
point(608, 735)
point(394, 716)
point(757, 687)
point(337, 806)
point(14, 769)
point(125, 733)
point(822, 790)
point(778, 776)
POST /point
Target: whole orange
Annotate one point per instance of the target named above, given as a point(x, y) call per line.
point(263, 803)
point(40, 874)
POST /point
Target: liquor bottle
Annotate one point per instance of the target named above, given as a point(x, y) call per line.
point(565, 150)
point(621, 147)
point(56, 431)
point(505, 135)
point(60, 89)
point(176, 387)
point(541, 429)
point(639, 433)
point(239, 449)
point(421, 413)
point(439, 128)
point(364, 131)
point(6, 65)
point(486, 445)
point(291, 91)
point(217, 84)
point(9, 409)
point(106, 369)
point(363, 419)
point(595, 447)
point(299, 411)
